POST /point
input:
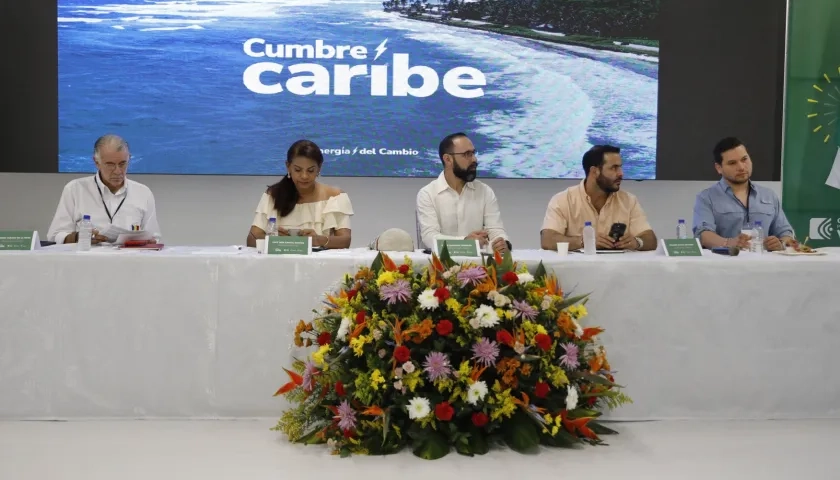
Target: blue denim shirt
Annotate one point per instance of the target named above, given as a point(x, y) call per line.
point(718, 210)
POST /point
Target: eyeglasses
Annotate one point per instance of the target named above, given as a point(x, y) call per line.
point(113, 166)
point(467, 154)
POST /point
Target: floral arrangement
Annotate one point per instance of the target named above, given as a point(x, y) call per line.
point(450, 355)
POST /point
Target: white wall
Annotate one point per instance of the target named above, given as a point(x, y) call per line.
point(217, 210)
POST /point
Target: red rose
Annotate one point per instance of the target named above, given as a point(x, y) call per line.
point(442, 294)
point(402, 354)
point(591, 401)
point(541, 390)
point(543, 341)
point(510, 278)
point(504, 337)
point(351, 294)
point(348, 433)
point(403, 269)
point(339, 389)
point(444, 411)
point(360, 317)
point(444, 328)
point(479, 419)
point(324, 338)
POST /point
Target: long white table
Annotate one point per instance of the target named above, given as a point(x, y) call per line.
point(204, 332)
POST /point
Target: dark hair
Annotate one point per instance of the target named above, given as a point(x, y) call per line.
point(447, 143)
point(725, 145)
point(284, 192)
point(594, 157)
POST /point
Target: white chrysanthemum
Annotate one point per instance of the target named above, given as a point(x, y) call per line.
point(428, 300)
point(408, 367)
point(377, 334)
point(475, 322)
point(418, 407)
point(486, 316)
point(571, 397)
point(343, 329)
point(578, 330)
point(546, 303)
point(525, 278)
point(501, 300)
point(476, 392)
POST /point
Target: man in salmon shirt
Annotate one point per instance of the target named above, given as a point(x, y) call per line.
point(597, 199)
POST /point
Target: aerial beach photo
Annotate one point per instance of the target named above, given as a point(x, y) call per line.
point(540, 82)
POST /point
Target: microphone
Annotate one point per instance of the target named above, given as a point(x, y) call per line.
point(728, 251)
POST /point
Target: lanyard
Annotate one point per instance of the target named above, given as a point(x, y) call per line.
point(101, 197)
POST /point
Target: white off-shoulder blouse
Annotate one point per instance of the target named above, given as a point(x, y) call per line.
point(322, 216)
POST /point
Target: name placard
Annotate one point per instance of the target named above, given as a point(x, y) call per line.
point(682, 247)
point(278, 245)
point(19, 240)
point(459, 248)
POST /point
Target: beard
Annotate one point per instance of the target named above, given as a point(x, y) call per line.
point(606, 184)
point(466, 174)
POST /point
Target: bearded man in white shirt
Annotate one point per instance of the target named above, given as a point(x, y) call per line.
point(108, 197)
point(456, 206)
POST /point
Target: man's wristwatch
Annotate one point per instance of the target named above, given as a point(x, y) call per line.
point(640, 242)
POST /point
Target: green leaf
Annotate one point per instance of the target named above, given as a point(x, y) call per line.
point(600, 429)
point(377, 264)
point(507, 263)
point(521, 434)
point(583, 413)
point(563, 439)
point(541, 272)
point(568, 302)
point(386, 425)
point(433, 447)
point(445, 258)
point(478, 442)
point(594, 379)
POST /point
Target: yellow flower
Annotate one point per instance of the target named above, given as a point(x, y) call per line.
point(464, 371)
point(509, 314)
point(556, 376)
point(385, 277)
point(376, 378)
point(453, 305)
point(358, 344)
point(541, 329)
point(411, 380)
point(578, 311)
point(318, 356)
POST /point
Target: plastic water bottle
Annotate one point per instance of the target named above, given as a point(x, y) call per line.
point(272, 227)
point(682, 230)
point(589, 247)
point(757, 245)
point(85, 231)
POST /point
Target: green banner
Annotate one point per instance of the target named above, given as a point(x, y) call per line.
point(688, 247)
point(17, 239)
point(460, 248)
point(282, 245)
point(811, 157)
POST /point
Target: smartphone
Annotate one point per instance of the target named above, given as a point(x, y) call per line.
point(617, 231)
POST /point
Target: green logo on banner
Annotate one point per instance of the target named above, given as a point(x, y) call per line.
point(17, 240)
point(683, 247)
point(460, 248)
point(278, 245)
point(811, 157)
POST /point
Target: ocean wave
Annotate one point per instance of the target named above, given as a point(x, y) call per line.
point(79, 20)
point(211, 8)
point(171, 29)
point(163, 21)
point(565, 99)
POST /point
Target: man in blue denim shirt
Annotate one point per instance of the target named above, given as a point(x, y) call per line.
point(735, 203)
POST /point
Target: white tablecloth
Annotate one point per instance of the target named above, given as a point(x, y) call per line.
point(204, 332)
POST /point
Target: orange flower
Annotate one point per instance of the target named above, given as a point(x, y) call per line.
point(423, 330)
point(564, 323)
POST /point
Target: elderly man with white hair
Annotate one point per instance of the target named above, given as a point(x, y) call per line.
point(108, 197)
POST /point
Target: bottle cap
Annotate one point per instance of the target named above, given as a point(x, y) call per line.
point(86, 217)
point(682, 220)
point(272, 219)
point(758, 223)
point(587, 224)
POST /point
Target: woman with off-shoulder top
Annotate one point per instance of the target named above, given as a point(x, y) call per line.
point(300, 202)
